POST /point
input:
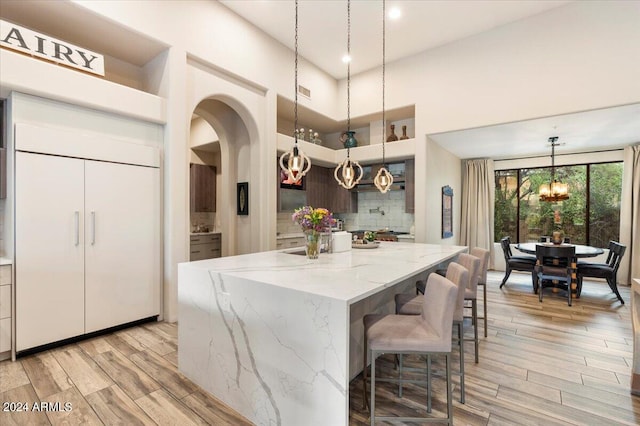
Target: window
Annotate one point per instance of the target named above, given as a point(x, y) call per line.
point(590, 216)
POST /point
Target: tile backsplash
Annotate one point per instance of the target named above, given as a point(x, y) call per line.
point(371, 206)
point(206, 219)
point(379, 211)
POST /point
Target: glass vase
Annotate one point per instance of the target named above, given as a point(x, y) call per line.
point(312, 244)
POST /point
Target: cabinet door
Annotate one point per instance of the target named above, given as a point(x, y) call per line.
point(203, 188)
point(122, 244)
point(410, 186)
point(317, 187)
point(49, 249)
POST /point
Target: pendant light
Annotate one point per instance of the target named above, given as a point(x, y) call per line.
point(555, 191)
point(349, 172)
point(383, 179)
point(297, 164)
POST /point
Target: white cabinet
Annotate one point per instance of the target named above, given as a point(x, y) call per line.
point(289, 242)
point(5, 309)
point(87, 246)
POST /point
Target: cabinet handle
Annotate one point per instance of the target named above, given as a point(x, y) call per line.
point(93, 228)
point(77, 223)
point(196, 251)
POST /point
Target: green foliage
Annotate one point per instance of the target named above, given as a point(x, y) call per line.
point(539, 218)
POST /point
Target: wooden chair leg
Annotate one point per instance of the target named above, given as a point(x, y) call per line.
point(506, 277)
point(484, 299)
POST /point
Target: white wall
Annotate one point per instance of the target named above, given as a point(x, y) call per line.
point(442, 168)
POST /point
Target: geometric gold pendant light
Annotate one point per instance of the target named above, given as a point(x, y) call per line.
point(383, 179)
point(349, 172)
point(294, 163)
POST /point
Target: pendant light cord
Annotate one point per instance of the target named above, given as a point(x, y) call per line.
point(348, 74)
point(383, 77)
point(295, 103)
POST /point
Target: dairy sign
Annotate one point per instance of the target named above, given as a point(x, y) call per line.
point(24, 40)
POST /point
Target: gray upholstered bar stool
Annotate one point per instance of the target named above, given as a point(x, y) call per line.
point(408, 304)
point(483, 255)
point(426, 334)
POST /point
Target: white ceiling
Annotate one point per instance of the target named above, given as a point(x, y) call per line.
point(322, 26)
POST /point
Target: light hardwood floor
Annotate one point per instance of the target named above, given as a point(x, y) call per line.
point(542, 363)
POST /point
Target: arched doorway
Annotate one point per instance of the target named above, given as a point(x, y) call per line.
point(221, 137)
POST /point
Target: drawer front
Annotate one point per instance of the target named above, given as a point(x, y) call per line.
point(293, 242)
point(205, 251)
point(5, 274)
point(5, 334)
point(5, 301)
point(205, 239)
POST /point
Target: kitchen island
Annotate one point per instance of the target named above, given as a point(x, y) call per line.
point(278, 337)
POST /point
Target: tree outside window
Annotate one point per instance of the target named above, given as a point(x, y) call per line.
point(590, 215)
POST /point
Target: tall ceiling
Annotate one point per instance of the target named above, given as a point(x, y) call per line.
point(424, 25)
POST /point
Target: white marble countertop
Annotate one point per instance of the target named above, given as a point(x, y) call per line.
point(5, 261)
point(348, 276)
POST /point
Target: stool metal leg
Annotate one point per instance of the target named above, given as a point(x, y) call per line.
point(372, 403)
point(461, 346)
point(484, 292)
point(474, 309)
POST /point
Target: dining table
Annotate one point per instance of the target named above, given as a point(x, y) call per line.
point(581, 250)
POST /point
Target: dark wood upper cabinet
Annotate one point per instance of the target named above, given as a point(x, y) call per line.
point(410, 186)
point(203, 188)
point(324, 191)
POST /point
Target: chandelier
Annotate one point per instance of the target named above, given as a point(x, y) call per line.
point(294, 163)
point(383, 179)
point(555, 191)
point(349, 172)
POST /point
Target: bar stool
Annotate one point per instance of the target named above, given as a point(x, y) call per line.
point(408, 304)
point(426, 334)
point(483, 255)
point(472, 263)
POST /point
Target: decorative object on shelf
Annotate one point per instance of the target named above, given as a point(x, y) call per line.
point(383, 179)
point(404, 133)
point(447, 212)
point(316, 139)
point(392, 136)
point(313, 223)
point(349, 172)
point(297, 164)
point(555, 191)
point(369, 236)
point(243, 199)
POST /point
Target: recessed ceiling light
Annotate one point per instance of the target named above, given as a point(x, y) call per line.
point(346, 59)
point(395, 13)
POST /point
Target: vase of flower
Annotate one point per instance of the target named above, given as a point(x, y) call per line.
point(313, 222)
point(312, 244)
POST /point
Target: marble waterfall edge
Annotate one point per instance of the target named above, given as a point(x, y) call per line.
point(272, 354)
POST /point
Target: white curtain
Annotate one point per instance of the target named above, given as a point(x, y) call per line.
point(478, 193)
point(630, 215)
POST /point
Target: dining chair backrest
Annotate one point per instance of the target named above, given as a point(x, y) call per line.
point(483, 255)
point(505, 243)
point(459, 275)
point(555, 255)
point(616, 251)
point(472, 264)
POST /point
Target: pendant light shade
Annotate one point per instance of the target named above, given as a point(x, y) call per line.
point(294, 163)
point(349, 172)
point(555, 190)
point(383, 179)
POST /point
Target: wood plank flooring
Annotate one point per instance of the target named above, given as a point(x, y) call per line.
point(541, 364)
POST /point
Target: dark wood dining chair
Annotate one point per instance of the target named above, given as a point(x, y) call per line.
point(515, 263)
point(608, 271)
point(555, 267)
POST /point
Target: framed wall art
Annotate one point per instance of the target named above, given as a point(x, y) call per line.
point(447, 212)
point(243, 199)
